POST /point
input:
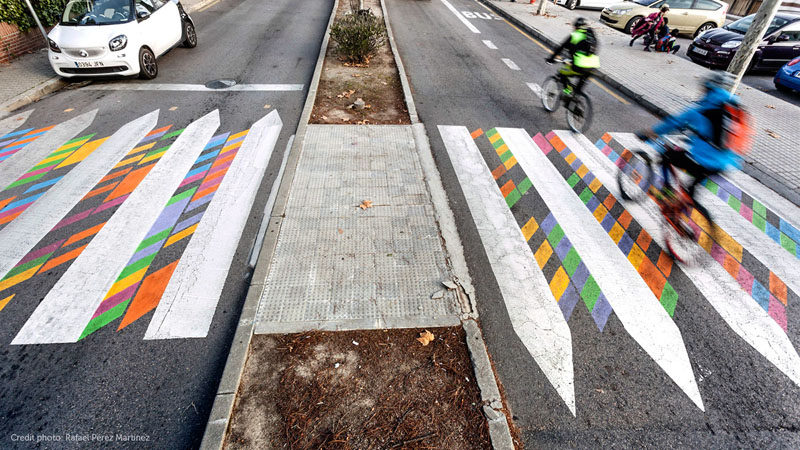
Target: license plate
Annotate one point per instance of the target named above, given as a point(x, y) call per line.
point(88, 64)
point(700, 51)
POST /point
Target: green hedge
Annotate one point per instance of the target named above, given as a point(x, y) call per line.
point(16, 12)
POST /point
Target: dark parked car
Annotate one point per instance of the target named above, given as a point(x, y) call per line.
point(781, 43)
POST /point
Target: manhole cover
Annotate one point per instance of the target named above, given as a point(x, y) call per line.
point(220, 84)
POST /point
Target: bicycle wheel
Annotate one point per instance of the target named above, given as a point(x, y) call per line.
point(634, 180)
point(681, 242)
point(551, 94)
point(579, 113)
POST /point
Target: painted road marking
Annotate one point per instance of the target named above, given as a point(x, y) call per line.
point(489, 44)
point(511, 64)
point(10, 124)
point(478, 15)
point(534, 312)
point(20, 162)
point(66, 309)
point(191, 87)
point(536, 89)
point(460, 17)
point(745, 317)
point(21, 235)
point(190, 299)
point(637, 308)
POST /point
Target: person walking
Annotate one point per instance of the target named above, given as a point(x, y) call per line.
point(649, 24)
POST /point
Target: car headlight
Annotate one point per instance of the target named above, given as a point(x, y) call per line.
point(731, 44)
point(53, 46)
point(118, 43)
point(620, 12)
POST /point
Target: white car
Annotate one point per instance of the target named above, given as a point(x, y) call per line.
point(586, 4)
point(117, 37)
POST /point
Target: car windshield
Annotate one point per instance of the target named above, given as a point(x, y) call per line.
point(97, 12)
point(742, 25)
point(643, 2)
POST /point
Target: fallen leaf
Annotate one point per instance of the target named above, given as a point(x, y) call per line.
point(600, 391)
point(425, 337)
point(356, 75)
point(324, 117)
point(438, 295)
point(365, 204)
point(173, 108)
point(772, 134)
point(270, 106)
point(770, 107)
point(341, 231)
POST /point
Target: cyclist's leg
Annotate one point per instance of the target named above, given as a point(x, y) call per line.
point(583, 77)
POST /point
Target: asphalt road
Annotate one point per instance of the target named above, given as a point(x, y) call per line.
point(623, 397)
point(115, 382)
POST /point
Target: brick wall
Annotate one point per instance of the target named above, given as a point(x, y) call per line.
point(14, 43)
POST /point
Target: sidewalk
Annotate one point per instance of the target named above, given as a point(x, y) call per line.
point(666, 84)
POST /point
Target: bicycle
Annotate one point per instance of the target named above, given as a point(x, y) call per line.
point(635, 181)
point(555, 92)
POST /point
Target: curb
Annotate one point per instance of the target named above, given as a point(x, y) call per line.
point(217, 425)
point(493, 408)
point(33, 94)
point(772, 181)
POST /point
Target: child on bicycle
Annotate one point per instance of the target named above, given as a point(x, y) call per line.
point(709, 151)
point(582, 47)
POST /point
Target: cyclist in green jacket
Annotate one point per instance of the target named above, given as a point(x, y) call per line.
point(582, 47)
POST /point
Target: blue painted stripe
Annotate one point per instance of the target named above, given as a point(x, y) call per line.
point(19, 203)
point(198, 170)
point(38, 186)
point(16, 133)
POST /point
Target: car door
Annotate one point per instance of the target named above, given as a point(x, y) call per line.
point(682, 16)
point(169, 20)
point(148, 28)
point(782, 47)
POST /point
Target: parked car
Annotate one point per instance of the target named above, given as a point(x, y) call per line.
point(586, 4)
point(690, 17)
point(780, 45)
point(117, 37)
point(788, 78)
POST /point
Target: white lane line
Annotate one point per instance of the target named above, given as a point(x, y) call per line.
point(21, 235)
point(489, 44)
point(769, 198)
point(66, 309)
point(461, 17)
point(536, 89)
point(533, 310)
point(18, 163)
point(188, 304)
point(769, 252)
point(190, 87)
point(745, 317)
point(10, 124)
point(511, 64)
point(633, 302)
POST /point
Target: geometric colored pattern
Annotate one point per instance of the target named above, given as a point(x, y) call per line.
point(14, 142)
point(652, 263)
point(763, 285)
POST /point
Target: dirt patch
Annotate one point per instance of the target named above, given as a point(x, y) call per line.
point(358, 390)
point(377, 83)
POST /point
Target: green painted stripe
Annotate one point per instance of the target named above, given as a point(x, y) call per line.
point(555, 235)
point(524, 186)
point(105, 318)
point(154, 238)
point(513, 197)
point(28, 265)
point(82, 138)
point(26, 180)
point(491, 132)
point(760, 223)
point(571, 261)
point(734, 203)
point(182, 195)
point(498, 143)
point(759, 209)
point(506, 156)
point(47, 164)
point(573, 180)
point(788, 244)
point(590, 293)
point(713, 187)
point(669, 298)
point(137, 266)
point(586, 195)
point(156, 151)
point(174, 133)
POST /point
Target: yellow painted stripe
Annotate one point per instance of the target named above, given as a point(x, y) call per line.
point(494, 138)
point(81, 153)
point(182, 234)
point(152, 157)
point(5, 301)
point(559, 283)
point(229, 148)
point(141, 148)
point(238, 135)
point(127, 282)
point(510, 162)
point(130, 160)
point(18, 278)
point(530, 228)
point(502, 149)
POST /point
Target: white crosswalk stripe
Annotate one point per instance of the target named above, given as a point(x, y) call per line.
point(10, 124)
point(63, 314)
point(18, 163)
point(533, 311)
point(188, 304)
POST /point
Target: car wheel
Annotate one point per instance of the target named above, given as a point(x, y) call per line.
point(704, 27)
point(148, 67)
point(572, 4)
point(632, 24)
point(190, 35)
point(782, 88)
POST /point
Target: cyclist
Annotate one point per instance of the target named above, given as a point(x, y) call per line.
point(708, 150)
point(582, 47)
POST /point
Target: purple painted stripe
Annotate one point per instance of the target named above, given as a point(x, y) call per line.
point(728, 186)
point(4, 143)
point(187, 223)
point(72, 219)
point(193, 178)
point(220, 168)
point(168, 217)
point(210, 183)
point(116, 299)
point(147, 251)
point(200, 201)
point(40, 252)
point(111, 204)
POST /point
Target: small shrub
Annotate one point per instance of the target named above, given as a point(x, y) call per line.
point(357, 36)
point(16, 12)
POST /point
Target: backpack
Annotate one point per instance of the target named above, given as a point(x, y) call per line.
point(732, 127)
point(591, 42)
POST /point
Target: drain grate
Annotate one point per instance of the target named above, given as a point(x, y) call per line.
point(220, 84)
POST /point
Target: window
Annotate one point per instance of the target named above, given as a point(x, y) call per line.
point(680, 4)
point(96, 12)
point(145, 6)
point(708, 5)
point(794, 36)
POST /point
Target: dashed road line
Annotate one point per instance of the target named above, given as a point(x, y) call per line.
point(511, 64)
point(489, 44)
point(536, 89)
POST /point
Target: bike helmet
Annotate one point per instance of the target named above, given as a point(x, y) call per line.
point(719, 79)
point(581, 22)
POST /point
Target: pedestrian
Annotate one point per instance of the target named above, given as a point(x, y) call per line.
point(649, 24)
point(654, 35)
point(667, 43)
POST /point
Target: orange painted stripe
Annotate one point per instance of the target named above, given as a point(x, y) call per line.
point(606, 138)
point(625, 219)
point(83, 235)
point(69, 256)
point(32, 138)
point(507, 188)
point(223, 160)
point(99, 191)
point(129, 183)
point(116, 174)
point(5, 202)
point(644, 240)
point(7, 219)
point(609, 202)
point(732, 266)
point(650, 274)
point(159, 130)
point(477, 133)
point(777, 287)
point(205, 192)
point(664, 264)
point(558, 144)
point(148, 295)
point(499, 171)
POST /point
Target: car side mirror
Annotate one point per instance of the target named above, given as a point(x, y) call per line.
point(142, 15)
point(782, 38)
